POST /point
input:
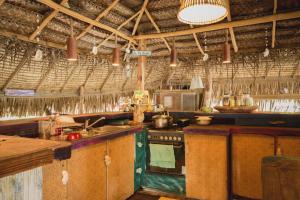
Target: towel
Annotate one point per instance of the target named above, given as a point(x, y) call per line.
point(162, 156)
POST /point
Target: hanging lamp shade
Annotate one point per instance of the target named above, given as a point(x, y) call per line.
point(71, 49)
point(173, 57)
point(116, 57)
point(227, 54)
point(201, 12)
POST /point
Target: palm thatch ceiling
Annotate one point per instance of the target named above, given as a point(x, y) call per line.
point(47, 23)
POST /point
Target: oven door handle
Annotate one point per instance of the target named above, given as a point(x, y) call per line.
point(177, 146)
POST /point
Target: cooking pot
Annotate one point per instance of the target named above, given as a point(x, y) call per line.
point(162, 121)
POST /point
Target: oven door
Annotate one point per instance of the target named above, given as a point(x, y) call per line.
point(179, 159)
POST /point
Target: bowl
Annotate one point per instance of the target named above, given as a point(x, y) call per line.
point(203, 120)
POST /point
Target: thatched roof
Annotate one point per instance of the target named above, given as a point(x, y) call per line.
point(21, 18)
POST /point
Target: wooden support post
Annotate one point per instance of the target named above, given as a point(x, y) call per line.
point(141, 67)
point(27, 56)
point(45, 22)
point(101, 15)
point(274, 25)
point(208, 89)
point(139, 17)
point(232, 36)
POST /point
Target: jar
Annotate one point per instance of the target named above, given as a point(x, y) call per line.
point(226, 99)
point(232, 101)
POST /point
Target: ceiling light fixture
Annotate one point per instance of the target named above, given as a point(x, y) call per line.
point(173, 56)
point(227, 53)
point(72, 46)
point(201, 12)
point(116, 54)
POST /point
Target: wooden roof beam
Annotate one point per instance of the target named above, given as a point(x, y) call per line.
point(45, 22)
point(157, 28)
point(142, 10)
point(225, 25)
point(123, 24)
point(274, 25)
point(197, 42)
point(110, 72)
point(27, 56)
point(85, 19)
point(52, 65)
point(69, 77)
point(101, 15)
point(232, 35)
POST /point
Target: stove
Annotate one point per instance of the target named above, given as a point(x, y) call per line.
point(172, 136)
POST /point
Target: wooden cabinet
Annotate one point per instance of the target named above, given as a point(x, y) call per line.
point(53, 188)
point(206, 166)
point(121, 169)
point(289, 145)
point(87, 173)
point(247, 153)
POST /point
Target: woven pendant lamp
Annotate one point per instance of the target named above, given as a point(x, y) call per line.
point(71, 46)
point(226, 51)
point(201, 12)
point(116, 55)
point(173, 56)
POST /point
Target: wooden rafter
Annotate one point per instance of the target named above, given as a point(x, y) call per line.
point(197, 42)
point(52, 65)
point(85, 19)
point(225, 25)
point(27, 55)
point(45, 22)
point(232, 35)
point(89, 75)
point(101, 15)
point(1, 2)
point(119, 27)
point(142, 10)
point(110, 72)
point(274, 25)
point(157, 28)
point(296, 69)
point(69, 77)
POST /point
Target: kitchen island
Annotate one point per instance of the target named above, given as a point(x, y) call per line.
point(98, 167)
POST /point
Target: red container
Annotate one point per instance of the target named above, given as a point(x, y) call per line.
point(73, 136)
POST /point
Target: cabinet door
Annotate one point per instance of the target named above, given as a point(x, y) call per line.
point(206, 166)
point(53, 188)
point(290, 146)
point(247, 153)
point(121, 169)
point(87, 173)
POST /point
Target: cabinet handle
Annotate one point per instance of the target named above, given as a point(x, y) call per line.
point(277, 122)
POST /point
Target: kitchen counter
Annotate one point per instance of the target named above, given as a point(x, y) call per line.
point(233, 129)
point(101, 134)
point(19, 154)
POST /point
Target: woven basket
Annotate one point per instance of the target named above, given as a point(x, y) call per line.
point(240, 109)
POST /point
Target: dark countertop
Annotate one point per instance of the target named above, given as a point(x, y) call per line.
point(105, 133)
point(233, 129)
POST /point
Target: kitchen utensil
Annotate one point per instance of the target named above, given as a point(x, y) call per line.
point(203, 120)
point(162, 121)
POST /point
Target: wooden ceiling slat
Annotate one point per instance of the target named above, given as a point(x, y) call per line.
point(85, 19)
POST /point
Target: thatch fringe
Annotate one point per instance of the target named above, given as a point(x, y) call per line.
point(28, 106)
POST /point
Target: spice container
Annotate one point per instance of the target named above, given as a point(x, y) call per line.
point(226, 99)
